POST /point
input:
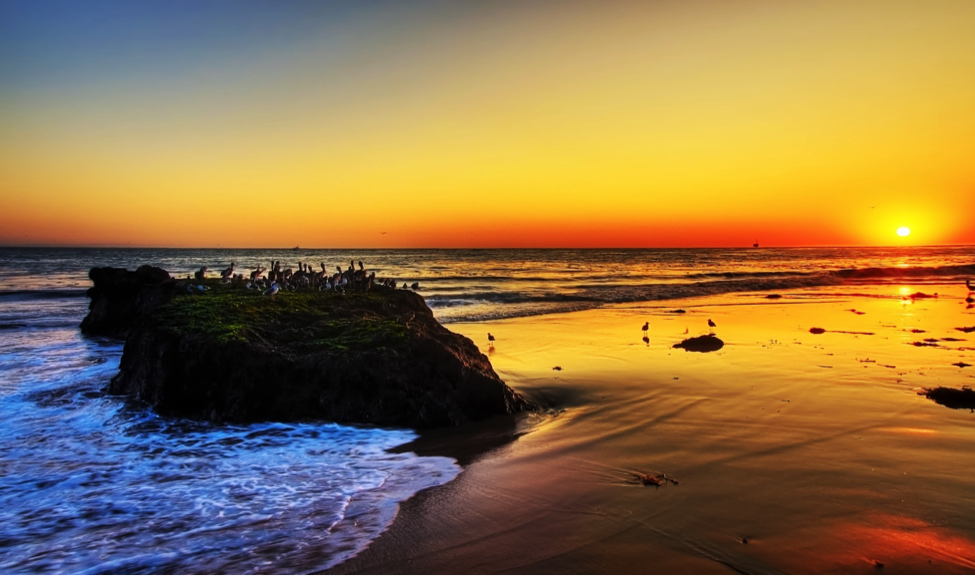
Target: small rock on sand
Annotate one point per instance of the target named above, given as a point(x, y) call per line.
point(701, 344)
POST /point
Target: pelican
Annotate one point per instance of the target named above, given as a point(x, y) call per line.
point(272, 290)
point(201, 273)
point(228, 272)
point(712, 325)
point(415, 286)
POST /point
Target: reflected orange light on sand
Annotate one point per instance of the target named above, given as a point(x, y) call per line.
point(909, 431)
point(899, 540)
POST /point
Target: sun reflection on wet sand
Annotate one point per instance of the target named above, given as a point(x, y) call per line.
point(895, 543)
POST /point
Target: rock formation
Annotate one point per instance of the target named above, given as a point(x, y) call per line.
point(373, 357)
point(121, 299)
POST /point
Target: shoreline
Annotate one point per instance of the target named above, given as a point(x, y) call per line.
point(793, 449)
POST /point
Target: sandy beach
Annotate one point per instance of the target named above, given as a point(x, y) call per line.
point(794, 451)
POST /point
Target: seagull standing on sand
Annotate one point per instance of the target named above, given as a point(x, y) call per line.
point(490, 339)
point(646, 326)
point(272, 290)
point(711, 325)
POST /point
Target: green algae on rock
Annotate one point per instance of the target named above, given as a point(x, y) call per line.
point(297, 321)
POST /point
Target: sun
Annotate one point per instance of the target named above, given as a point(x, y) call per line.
point(903, 231)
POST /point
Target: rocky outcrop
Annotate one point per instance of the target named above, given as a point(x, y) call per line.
point(121, 299)
point(376, 357)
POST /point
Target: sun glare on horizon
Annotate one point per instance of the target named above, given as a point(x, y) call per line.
point(903, 231)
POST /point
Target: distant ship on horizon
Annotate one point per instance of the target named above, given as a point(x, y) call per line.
point(755, 245)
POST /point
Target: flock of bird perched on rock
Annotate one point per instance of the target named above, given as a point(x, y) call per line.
point(271, 280)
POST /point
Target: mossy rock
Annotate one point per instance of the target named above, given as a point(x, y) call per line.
point(374, 357)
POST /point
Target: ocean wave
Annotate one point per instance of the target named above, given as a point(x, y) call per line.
point(42, 294)
point(908, 272)
point(511, 304)
point(507, 298)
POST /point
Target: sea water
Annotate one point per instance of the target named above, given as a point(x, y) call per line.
point(91, 484)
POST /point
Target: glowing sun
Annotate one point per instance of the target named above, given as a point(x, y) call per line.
point(903, 231)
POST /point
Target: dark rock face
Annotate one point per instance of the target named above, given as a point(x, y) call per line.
point(121, 299)
point(424, 378)
point(701, 344)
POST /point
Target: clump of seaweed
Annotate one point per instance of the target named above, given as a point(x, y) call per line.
point(701, 344)
point(654, 479)
point(951, 397)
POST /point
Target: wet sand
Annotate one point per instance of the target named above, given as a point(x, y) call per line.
point(795, 452)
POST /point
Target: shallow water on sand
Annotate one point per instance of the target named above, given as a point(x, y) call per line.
point(795, 452)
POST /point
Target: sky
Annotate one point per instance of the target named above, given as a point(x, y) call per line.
point(368, 124)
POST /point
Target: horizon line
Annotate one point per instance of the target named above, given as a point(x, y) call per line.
point(292, 249)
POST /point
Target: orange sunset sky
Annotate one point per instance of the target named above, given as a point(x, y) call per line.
point(486, 124)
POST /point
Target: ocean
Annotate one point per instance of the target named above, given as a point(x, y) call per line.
point(91, 484)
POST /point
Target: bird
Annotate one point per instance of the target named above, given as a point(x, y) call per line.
point(415, 286)
point(557, 368)
point(490, 339)
point(712, 325)
point(272, 290)
point(646, 326)
point(228, 272)
point(971, 287)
